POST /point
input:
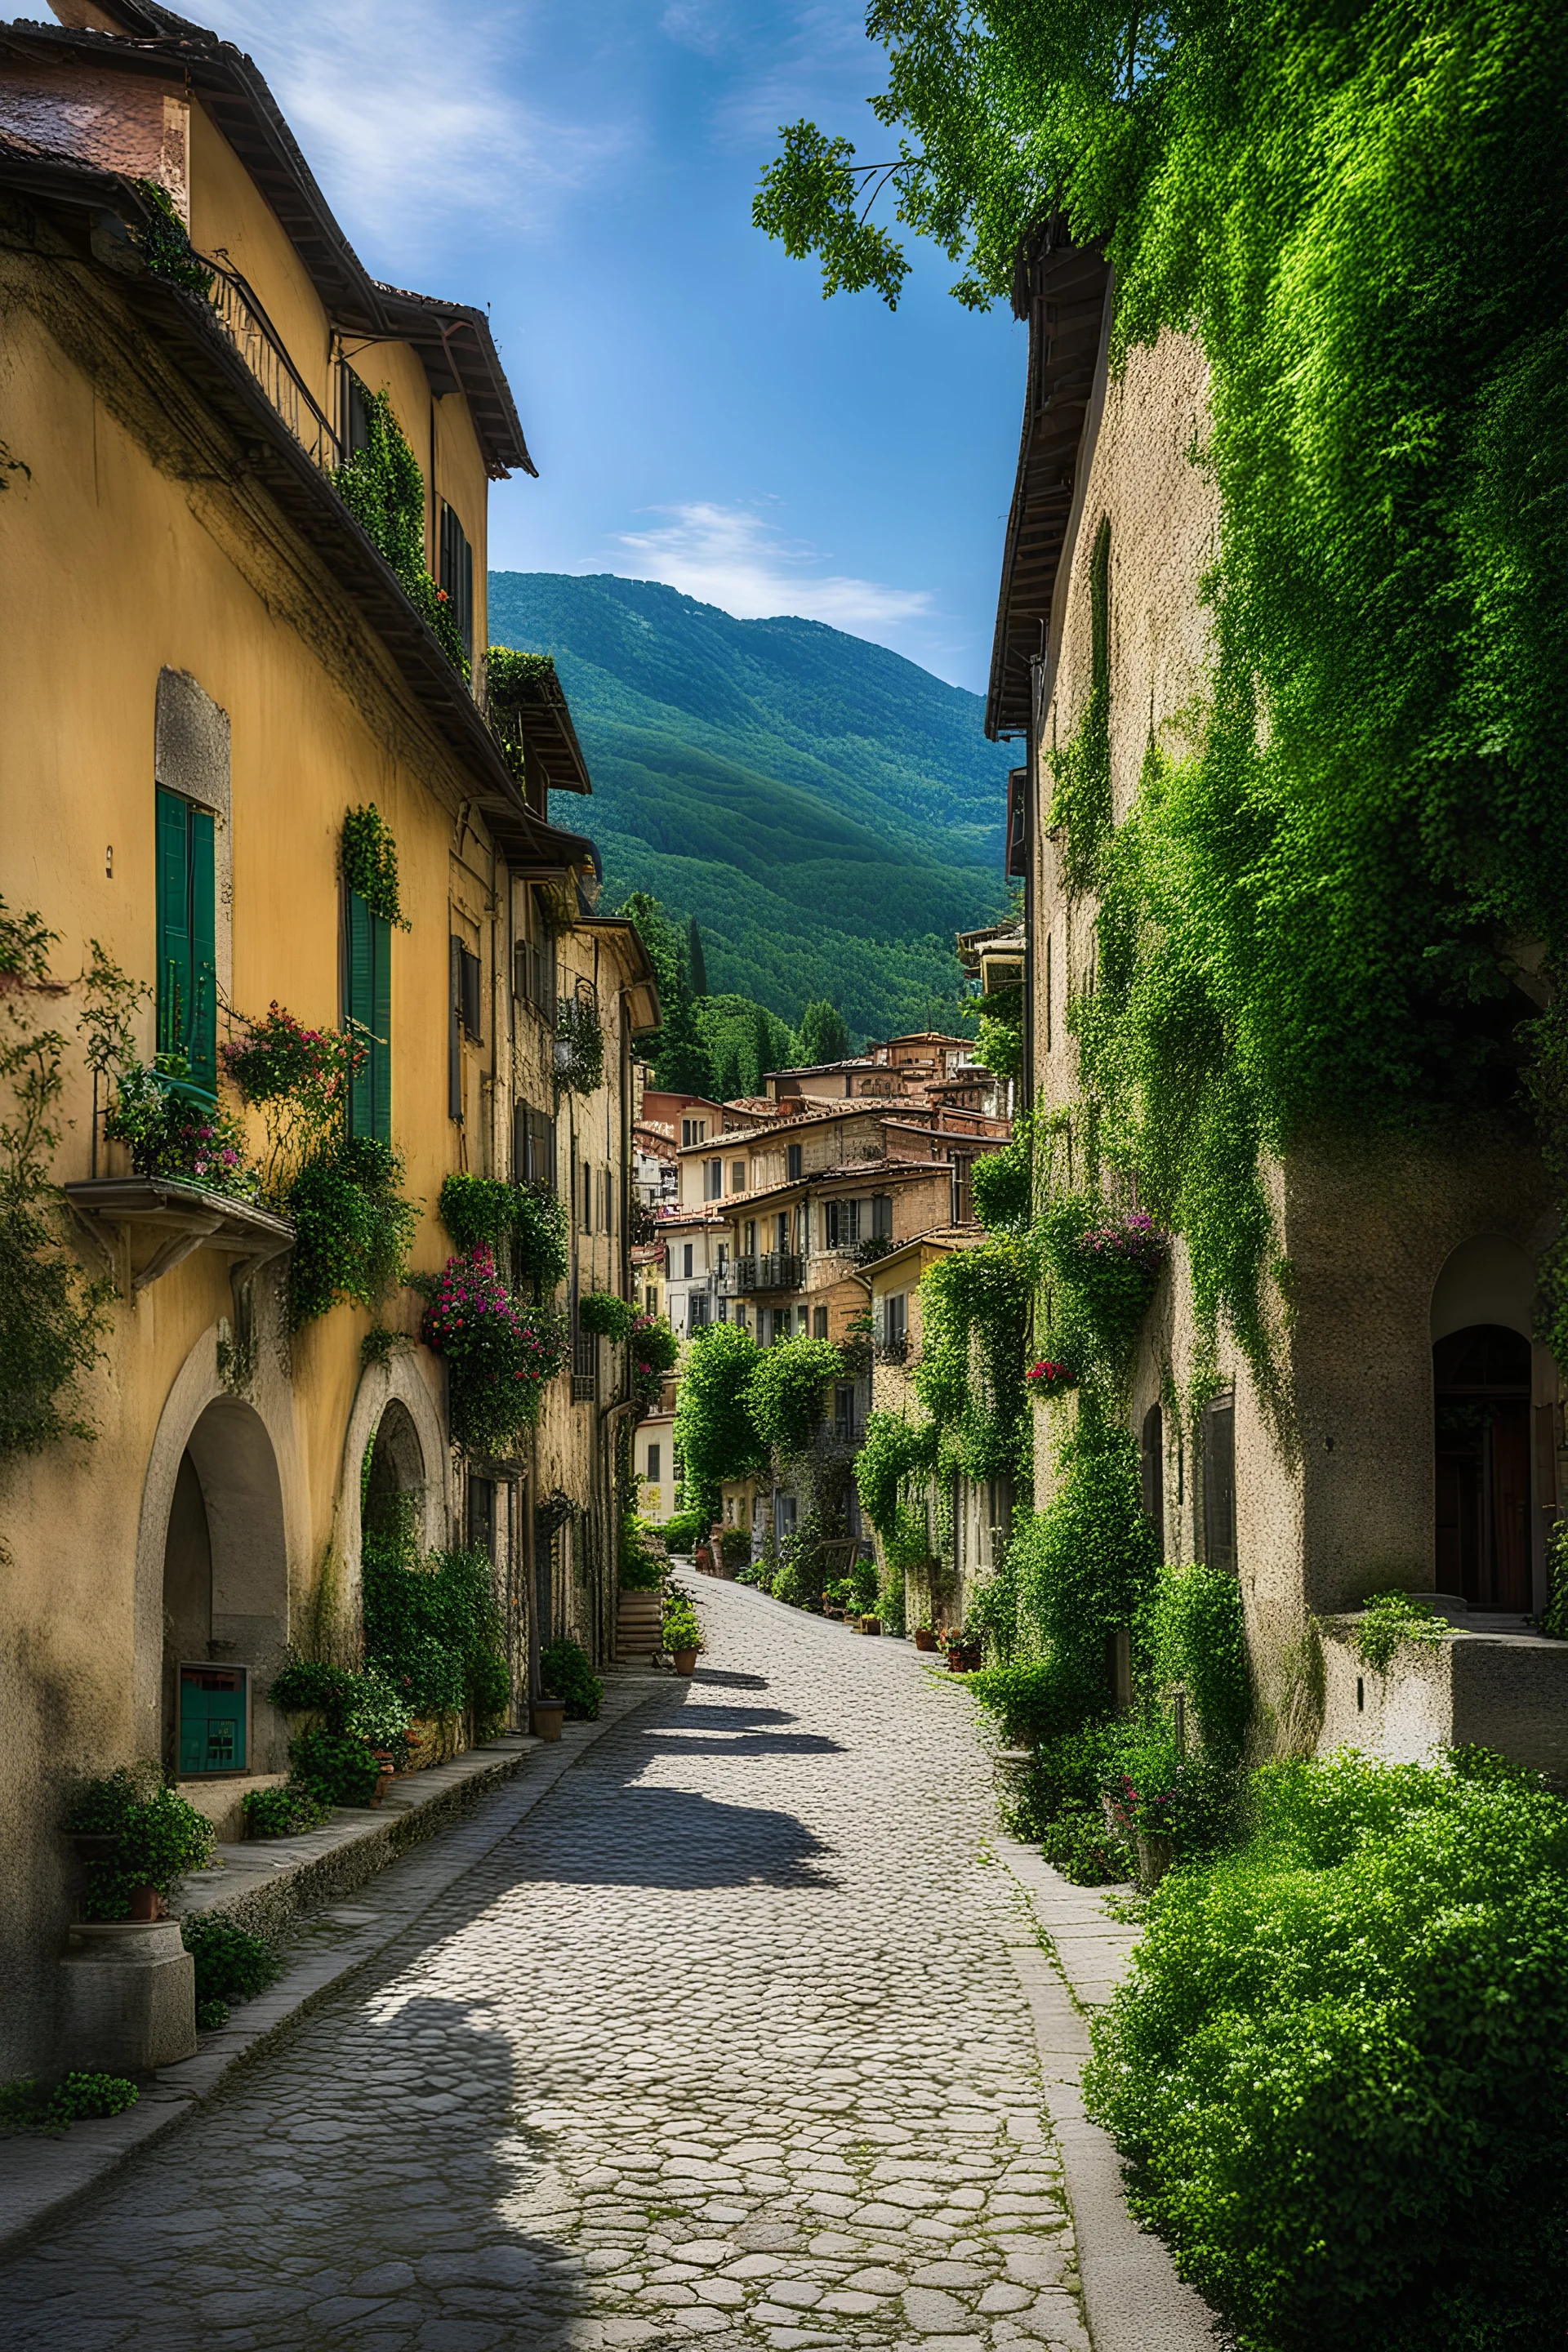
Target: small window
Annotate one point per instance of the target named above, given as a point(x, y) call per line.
point(1153, 1453)
point(737, 1175)
point(609, 1200)
point(882, 1216)
point(471, 973)
point(587, 1198)
point(357, 416)
point(819, 1322)
point(793, 1161)
point(653, 1465)
point(898, 1315)
point(713, 1179)
point(686, 1257)
point(1219, 1483)
point(482, 1517)
point(457, 576)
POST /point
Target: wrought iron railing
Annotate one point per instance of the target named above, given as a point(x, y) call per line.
point(257, 341)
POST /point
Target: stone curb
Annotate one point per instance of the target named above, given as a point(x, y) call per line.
point(41, 2178)
point(1133, 2300)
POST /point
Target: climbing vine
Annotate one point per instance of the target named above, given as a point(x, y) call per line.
point(370, 863)
point(383, 489)
point(515, 682)
point(579, 1046)
point(1325, 911)
point(975, 1319)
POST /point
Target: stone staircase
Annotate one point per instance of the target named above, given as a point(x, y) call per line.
point(639, 1620)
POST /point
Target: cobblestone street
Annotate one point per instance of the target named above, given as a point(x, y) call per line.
point(721, 2041)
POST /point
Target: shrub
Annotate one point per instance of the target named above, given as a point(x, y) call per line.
point(715, 1437)
point(1080, 1845)
point(309, 1685)
point(351, 1228)
point(433, 1629)
point(232, 1963)
point(1087, 1565)
point(1339, 2071)
point(159, 1837)
point(643, 1562)
point(334, 1768)
point(281, 1812)
point(785, 1395)
point(1198, 1639)
point(683, 1531)
point(26, 2106)
point(1029, 1704)
point(564, 1671)
point(736, 1546)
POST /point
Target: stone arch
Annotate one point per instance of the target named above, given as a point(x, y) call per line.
point(1488, 1279)
point(222, 1534)
point(414, 1454)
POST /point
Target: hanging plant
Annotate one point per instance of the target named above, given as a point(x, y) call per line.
point(298, 1079)
point(500, 1357)
point(514, 682)
point(579, 1047)
point(164, 244)
point(370, 863)
point(383, 489)
point(523, 1220)
point(601, 1312)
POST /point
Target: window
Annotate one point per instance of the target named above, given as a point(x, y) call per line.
point(532, 1148)
point(963, 1210)
point(793, 1161)
point(844, 1414)
point(587, 1198)
point(455, 1031)
point(882, 1216)
point(712, 1180)
point(841, 1223)
point(653, 1465)
point(533, 978)
point(782, 1322)
point(458, 575)
point(609, 1200)
point(369, 1006)
point(585, 1362)
point(897, 1319)
point(1153, 1461)
point(819, 1322)
point(482, 1517)
point(187, 937)
point(469, 983)
point(697, 1310)
point(1219, 1482)
point(737, 1175)
point(751, 1237)
point(357, 416)
point(693, 1131)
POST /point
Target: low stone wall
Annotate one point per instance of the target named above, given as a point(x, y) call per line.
point(1508, 1691)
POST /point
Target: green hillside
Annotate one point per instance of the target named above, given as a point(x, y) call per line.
point(830, 812)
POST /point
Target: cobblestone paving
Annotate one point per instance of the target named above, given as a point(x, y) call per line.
point(722, 2040)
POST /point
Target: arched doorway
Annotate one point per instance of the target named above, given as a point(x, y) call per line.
point(1481, 1377)
point(225, 1599)
point(396, 1470)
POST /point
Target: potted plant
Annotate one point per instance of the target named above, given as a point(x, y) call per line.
point(138, 1838)
point(682, 1634)
point(870, 1624)
point(547, 1716)
point(925, 1636)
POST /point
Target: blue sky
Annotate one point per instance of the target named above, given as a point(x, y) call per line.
point(697, 414)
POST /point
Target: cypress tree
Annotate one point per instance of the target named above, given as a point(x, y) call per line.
point(696, 962)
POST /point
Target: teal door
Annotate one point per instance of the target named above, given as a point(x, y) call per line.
point(212, 1719)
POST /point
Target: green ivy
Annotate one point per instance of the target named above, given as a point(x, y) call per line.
point(579, 1046)
point(785, 1398)
point(353, 1228)
point(164, 244)
point(715, 1435)
point(975, 1306)
point(1081, 769)
point(383, 489)
point(1389, 1619)
point(524, 1221)
point(434, 1627)
point(894, 1453)
point(1198, 1639)
point(370, 863)
point(515, 683)
point(601, 1312)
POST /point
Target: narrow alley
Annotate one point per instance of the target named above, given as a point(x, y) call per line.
point(722, 2040)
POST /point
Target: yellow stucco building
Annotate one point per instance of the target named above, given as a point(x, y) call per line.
point(208, 662)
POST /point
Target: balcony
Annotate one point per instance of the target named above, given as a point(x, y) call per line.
point(892, 1350)
point(257, 341)
point(780, 1270)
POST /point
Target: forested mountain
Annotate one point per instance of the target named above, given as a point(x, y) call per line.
point(830, 812)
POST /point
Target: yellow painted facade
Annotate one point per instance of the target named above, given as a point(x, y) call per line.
point(168, 546)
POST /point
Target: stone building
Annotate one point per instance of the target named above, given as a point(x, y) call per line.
point(205, 664)
point(1419, 1444)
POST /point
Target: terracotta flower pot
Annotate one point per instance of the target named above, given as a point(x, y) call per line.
point(685, 1661)
point(924, 1638)
point(146, 1903)
point(870, 1624)
point(546, 1717)
point(957, 1659)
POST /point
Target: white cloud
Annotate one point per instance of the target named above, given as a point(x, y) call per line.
point(406, 116)
point(733, 557)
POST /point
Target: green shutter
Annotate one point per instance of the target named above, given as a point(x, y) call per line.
point(370, 1012)
point(174, 920)
point(187, 936)
point(201, 1038)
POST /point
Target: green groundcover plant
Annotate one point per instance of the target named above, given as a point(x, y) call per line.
point(1339, 2069)
point(232, 1964)
point(27, 2105)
